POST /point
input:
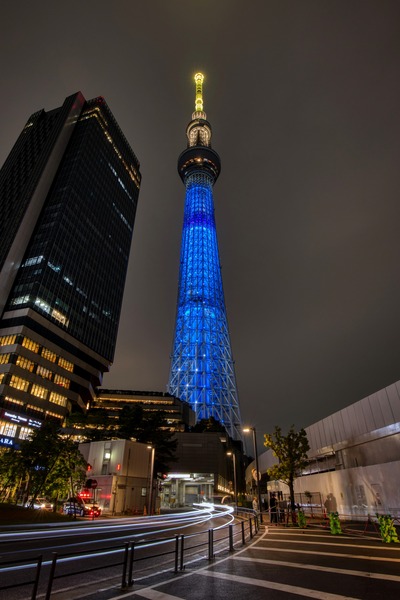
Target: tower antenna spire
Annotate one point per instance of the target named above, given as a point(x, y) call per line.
point(199, 78)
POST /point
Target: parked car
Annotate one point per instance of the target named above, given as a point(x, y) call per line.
point(74, 506)
point(39, 503)
point(92, 510)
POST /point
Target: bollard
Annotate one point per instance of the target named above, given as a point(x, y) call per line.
point(35, 585)
point(210, 544)
point(131, 559)
point(181, 567)
point(231, 548)
point(176, 553)
point(125, 565)
point(243, 534)
point(51, 575)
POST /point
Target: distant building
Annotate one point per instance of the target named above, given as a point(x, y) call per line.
point(68, 196)
point(203, 470)
point(178, 415)
point(122, 472)
point(354, 457)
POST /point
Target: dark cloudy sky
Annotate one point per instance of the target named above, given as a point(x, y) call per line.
point(304, 100)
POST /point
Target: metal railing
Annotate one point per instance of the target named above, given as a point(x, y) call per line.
point(204, 543)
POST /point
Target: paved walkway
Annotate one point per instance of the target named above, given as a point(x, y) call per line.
point(283, 563)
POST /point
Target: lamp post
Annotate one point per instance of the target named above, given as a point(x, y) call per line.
point(151, 477)
point(253, 430)
point(234, 477)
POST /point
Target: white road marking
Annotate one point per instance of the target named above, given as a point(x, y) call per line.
point(282, 587)
point(338, 554)
point(282, 563)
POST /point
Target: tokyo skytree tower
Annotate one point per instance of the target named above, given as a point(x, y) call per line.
point(202, 367)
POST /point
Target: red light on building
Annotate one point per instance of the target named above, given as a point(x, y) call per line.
point(118, 467)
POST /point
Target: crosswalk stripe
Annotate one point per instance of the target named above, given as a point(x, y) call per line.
point(282, 587)
point(336, 544)
point(283, 563)
point(152, 594)
point(338, 554)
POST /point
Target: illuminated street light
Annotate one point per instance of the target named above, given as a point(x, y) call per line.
point(253, 430)
point(234, 477)
point(151, 478)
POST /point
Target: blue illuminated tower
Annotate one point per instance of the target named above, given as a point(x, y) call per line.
point(202, 368)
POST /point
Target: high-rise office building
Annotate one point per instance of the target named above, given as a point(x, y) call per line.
point(202, 368)
point(68, 197)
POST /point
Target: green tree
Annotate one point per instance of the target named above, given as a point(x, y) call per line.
point(149, 428)
point(291, 452)
point(210, 424)
point(45, 464)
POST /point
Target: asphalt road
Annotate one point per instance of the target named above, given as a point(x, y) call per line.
point(88, 552)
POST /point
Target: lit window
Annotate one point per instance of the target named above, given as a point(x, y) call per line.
point(20, 300)
point(65, 364)
point(4, 359)
point(58, 399)
point(13, 401)
point(39, 391)
point(24, 363)
point(30, 344)
point(1, 377)
point(63, 381)
point(24, 433)
point(7, 428)
point(46, 373)
point(49, 413)
point(7, 340)
point(19, 383)
point(32, 261)
point(49, 355)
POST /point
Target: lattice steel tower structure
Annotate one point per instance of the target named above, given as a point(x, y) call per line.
point(202, 368)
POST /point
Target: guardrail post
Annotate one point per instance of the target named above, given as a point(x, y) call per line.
point(35, 585)
point(181, 567)
point(131, 559)
point(211, 544)
point(231, 548)
point(125, 565)
point(176, 553)
point(243, 534)
point(251, 529)
point(51, 575)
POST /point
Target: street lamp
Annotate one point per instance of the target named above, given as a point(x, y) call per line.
point(234, 477)
point(153, 450)
point(253, 430)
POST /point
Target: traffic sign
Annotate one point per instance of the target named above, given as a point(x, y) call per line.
point(94, 484)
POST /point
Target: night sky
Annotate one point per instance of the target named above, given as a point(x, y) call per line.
point(304, 101)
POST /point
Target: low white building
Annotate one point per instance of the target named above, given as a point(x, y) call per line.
point(122, 472)
point(354, 457)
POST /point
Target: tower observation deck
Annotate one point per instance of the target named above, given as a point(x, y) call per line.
point(202, 367)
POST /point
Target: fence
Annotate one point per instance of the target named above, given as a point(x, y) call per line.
point(178, 547)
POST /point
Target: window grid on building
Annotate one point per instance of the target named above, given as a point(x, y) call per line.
point(25, 363)
point(19, 383)
point(65, 364)
point(39, 391)
point(24, 433)
point(49, 355)
point(62, 381)
point(45, 373)
point(7, 340)
point(30, 344)
point(7, 428)
point(4, 359)
point(58, 399)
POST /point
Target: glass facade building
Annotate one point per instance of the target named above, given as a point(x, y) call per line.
point(202, 368)
point(69, 192)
